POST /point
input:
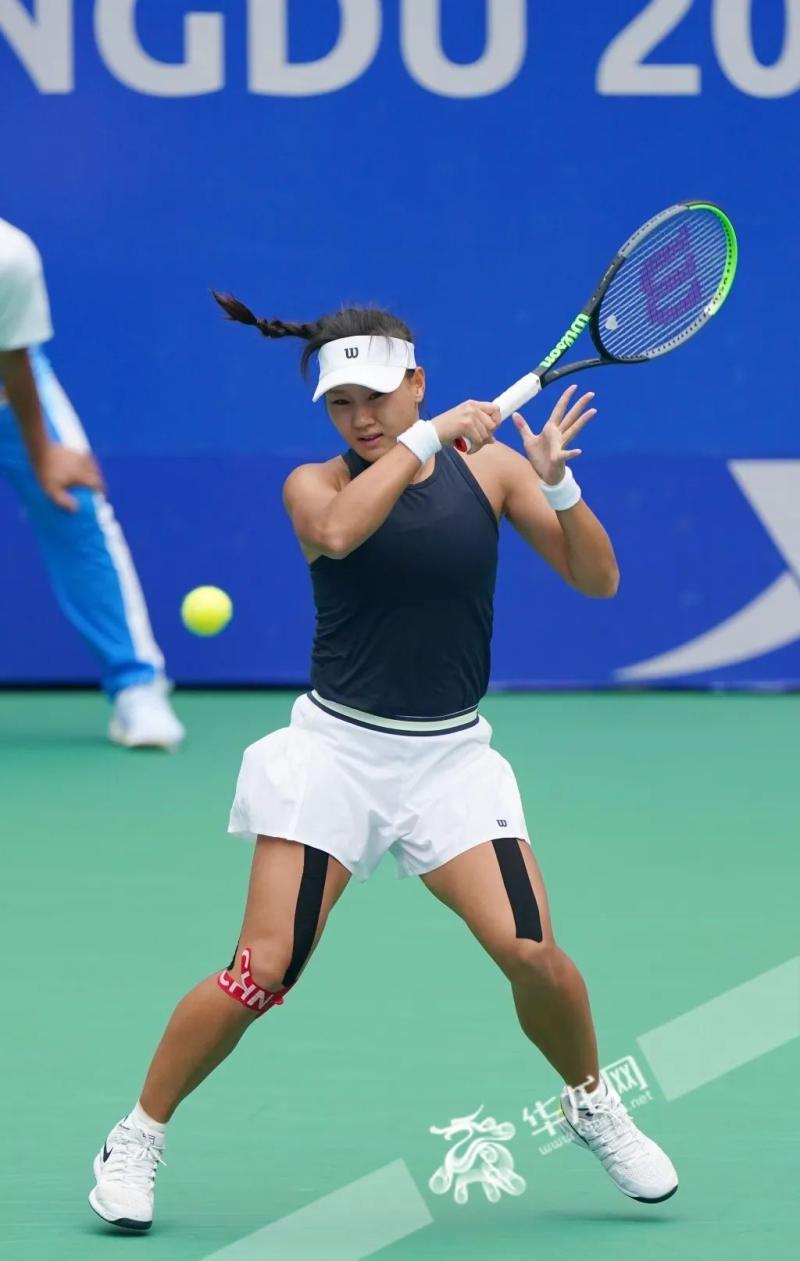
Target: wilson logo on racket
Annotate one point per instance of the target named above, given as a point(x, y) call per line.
point(572, 334)
point(670, 269)
point(351, 352)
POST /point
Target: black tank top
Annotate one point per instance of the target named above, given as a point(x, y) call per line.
point(404, 623)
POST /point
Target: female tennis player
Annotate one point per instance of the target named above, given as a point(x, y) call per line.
point(388, 751)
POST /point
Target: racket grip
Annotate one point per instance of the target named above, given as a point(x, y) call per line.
point(516, 396)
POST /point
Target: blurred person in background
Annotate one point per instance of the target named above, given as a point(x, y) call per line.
point(45, 456)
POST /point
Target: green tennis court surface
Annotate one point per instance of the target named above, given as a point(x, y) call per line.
point(667, 827)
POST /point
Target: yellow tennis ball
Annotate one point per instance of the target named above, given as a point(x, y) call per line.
point(206, 610)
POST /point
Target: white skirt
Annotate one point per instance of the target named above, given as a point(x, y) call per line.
point(355, 792)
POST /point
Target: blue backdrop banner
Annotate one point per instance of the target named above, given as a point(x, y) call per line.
point(472, 165)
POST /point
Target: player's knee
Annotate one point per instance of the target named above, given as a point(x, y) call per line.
point(269, 963)
point(527, 962)
point(258, 986)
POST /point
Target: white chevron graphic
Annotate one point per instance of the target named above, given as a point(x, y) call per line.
point(772, 619)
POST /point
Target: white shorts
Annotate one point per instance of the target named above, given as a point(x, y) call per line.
point(355, 792)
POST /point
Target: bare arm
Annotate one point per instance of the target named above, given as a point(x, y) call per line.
point(17, 375)
point(55, 466)
point(336, 521)
point(574, 542)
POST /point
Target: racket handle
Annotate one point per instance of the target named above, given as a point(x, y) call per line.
point(516, 396)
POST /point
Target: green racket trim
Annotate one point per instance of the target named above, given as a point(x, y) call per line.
point(733, 253)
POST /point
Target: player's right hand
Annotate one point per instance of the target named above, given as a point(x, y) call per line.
point(473, 420)
point(58, 468)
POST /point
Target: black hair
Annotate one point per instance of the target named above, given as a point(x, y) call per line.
point(352, 321)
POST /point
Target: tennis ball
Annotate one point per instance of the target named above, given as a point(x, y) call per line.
point(206, 610)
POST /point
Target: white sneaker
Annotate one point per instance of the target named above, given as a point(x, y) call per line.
point(633, 1161)
point(125, 1174)
point(144, 718)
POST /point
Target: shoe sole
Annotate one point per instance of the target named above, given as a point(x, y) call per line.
point(642, 1199)
point(121, 1223)
point(659, 1198)
point(116, 735)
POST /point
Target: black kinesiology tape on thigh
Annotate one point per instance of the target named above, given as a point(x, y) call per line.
point(306, 916)
point(518, 887)
point(309, 904)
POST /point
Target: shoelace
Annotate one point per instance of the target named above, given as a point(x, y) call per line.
point(133, 1159)
point(611, 1132)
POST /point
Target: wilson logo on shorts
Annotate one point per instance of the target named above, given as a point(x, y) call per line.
point(502, 823)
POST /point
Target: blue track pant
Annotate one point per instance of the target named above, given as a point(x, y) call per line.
point(87, 558)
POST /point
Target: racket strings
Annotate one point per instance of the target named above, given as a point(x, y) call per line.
point(664, 290)
point(706, 244)
point(641, 338)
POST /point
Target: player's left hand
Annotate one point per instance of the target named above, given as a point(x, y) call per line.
point(59, 468)
point(547, 450)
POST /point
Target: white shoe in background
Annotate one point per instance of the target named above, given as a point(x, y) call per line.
point(144, 718)
point(125, 1174)
point(633, 1161)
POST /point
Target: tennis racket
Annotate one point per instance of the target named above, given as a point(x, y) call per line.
point(662, 286)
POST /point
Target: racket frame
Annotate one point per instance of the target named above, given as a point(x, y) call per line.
point(527, 387)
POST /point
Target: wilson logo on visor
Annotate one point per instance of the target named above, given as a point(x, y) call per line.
point(351, 352)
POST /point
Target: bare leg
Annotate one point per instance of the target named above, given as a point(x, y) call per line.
point(207, 1024)
point(549, 993)
point(202, 1031)
point(554, 1013)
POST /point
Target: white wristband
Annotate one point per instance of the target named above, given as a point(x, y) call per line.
point(422, 439)
point(565, 495)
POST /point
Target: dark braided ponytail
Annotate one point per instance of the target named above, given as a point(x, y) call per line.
point(236, 310)
point(347, 322)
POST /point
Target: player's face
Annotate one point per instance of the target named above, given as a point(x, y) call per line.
point(370, 422)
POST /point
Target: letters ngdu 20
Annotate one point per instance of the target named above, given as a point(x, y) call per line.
point(44, 43)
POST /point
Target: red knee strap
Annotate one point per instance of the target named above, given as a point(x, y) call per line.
point(247, 992)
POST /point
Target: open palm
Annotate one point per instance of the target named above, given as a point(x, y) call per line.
point(547, 451)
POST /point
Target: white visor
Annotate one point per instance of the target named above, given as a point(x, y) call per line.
point(375, 361)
